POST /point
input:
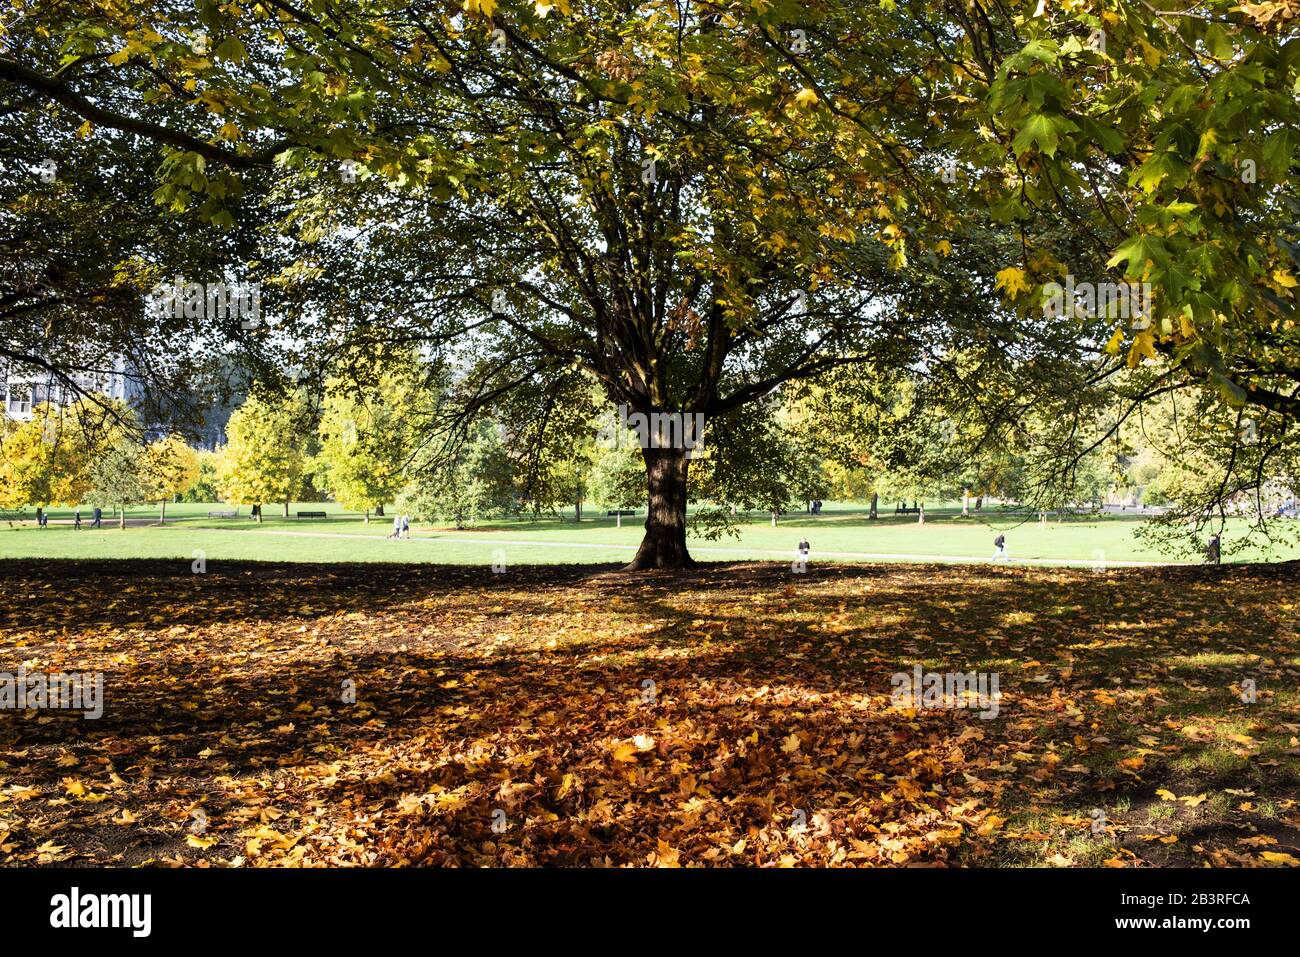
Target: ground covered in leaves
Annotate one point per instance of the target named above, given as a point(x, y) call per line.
point(739, 715)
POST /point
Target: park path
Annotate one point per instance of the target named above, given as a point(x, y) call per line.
point(472, 538)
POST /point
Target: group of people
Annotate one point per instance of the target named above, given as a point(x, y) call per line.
point(43, 518)
point(401, 526)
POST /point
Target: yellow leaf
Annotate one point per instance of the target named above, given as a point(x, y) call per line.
point(1193, 800)
point(1116, 341)
point(566, 785)
point(790, 743)
point(1143, 347)
point(1012, 279)
point(624, 751)
point(1166, 795)
point(1283, 278)
point(193, 840)
point(943, 248)
point(1277, 857)
point(806, 97)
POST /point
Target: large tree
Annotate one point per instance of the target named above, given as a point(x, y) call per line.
point(696, 203)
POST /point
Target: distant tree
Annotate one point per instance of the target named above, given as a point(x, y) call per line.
point(265, 457)
point(46, 460)
point(753, 461)
point(170, 467)
point(618, 476)
point(474, 483)
point(204, 487)
point(369, 438)
point(118, 478)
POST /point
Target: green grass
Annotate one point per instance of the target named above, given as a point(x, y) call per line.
point(842, 532)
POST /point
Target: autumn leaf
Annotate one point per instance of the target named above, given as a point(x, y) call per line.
point(1012, 279)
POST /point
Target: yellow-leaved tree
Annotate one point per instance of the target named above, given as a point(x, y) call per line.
point(264, 459)
point(170, 467)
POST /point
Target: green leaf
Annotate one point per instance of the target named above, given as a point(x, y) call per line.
point(1043, 131)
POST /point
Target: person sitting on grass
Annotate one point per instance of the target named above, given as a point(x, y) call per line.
point(1212, 550)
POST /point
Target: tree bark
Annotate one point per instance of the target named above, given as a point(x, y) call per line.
point(875, 500)
point(286, 509)
point(664, 544)
point(162, 513)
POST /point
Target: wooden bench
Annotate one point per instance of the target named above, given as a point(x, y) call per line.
point(234, 514)
point(904, 510)
point(311, 515)
point(621, 511)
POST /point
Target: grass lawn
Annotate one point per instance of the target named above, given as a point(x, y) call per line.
point(739, 716)
point(839, 534)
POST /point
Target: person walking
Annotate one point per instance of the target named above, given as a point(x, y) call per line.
point(97, 516)
point(406, 526)
point(397, 527)
point(76, 519)
point(1000, 548)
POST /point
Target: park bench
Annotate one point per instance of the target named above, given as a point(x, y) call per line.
point(621, 511)
point(904, 510)
point(225, 514)
point(311, 515)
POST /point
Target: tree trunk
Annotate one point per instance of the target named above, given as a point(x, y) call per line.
point(664, 544)
point(875, 500)
point(619, 519)
point(368, 515)
point(121, 517)
point(162, 513)
point(379, 509)
point(286, 509)
point(775, 513)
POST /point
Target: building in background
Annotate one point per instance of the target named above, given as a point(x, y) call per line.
point(23, 394)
